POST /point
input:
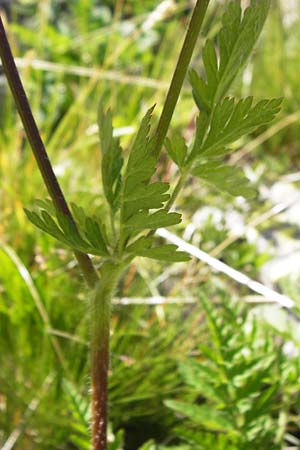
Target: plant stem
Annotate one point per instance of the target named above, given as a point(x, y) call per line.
point(179, 74)
point(176, 191)
point(189, 163)
point(38, 147)
point(100, 318)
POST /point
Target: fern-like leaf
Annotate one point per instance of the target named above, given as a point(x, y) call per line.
point(87, 235)
point(141, 197)
point(143, 220)
point(236, 40)
point(79, 407)
point(139, 194)
point(203, 415)
point(166, 252)
point(237, 381)
point(225, 178)
point(177, 149)
point(231, 120)
point(112, 160)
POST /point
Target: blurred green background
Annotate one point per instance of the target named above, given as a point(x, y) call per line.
point(71, 55)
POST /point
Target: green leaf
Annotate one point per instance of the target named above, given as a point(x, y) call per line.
point(140, 244)
point(143, 247)
point(224, 178)
point(164, 253)
point(94, 235)
point(149, 445)
point(204, 415)
point(78, 214)
point(177, 149)
point(97, 218)
point(141, 164)
point(46, 224)
point(200, 377)
point(51, 225)
point(236, 39)
point(112, 160)
point(117, 441)
point(139, 195)
point(45, 204)
point(35, 219)
point(161, 218)
point(231, 120)
point(263, 404)
point(145, 197)
point(65, 230)
point(70, 230)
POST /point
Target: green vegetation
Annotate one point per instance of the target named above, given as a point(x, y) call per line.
point(214, 373)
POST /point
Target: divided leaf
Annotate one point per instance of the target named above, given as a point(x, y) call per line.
point(78, 214)
point(144, 197)
point(202, 415)
point(45, 204)
point(222, 121)
point(80, 411)
point(94, 235)
point(177, 149)
point(143, 247)
point(50, 228)
point(141, 164)
point(112, 160)
point(166, 252)
point(140, 244)
point(236, 40)
point(235, 381)
point(231, 120)
point(68, 228)
point(139, 194)
point(143, 220)
point(225, 178)
point(200, 376)
point(90, 239)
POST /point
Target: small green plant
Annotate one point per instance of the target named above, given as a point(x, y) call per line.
point(236, 384)
point(81, 415)
point(137, 205)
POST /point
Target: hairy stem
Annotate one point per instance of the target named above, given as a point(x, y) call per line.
point(38, 147)
point(180, 73)
point(100, 319)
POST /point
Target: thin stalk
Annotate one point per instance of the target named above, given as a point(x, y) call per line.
point(38, 147)
point(177, 189)
point(188, 165)
point(100, 318)
point(179, 74)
